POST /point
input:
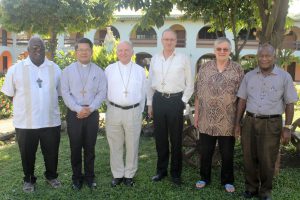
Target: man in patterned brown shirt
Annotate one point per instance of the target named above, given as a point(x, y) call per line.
point(215, 107)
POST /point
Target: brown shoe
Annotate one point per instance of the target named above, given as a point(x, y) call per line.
point(55, 183)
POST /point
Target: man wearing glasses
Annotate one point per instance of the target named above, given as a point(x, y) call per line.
point(170, 87)
point(83, 86)
point(215, 107)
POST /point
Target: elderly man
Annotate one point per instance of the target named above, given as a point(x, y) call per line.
point(170, 87)
point(125, 104)
point(83, 89)
point(34, 85)
point(265, 93)
point(215, 109)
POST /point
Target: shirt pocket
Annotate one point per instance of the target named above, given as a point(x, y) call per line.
point(275, 92)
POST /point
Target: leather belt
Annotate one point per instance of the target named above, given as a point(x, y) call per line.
point(124, 107)
point(262, 116)
point(168, 95)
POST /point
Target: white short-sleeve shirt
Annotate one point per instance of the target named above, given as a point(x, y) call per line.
point(35, 103)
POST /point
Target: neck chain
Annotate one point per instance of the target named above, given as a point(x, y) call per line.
point(83, 82)
point(125, 85)
point(164, 75)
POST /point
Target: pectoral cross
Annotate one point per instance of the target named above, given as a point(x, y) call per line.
point(39, 81)
point(126, 92)
point(163, 83)
point(82, 92)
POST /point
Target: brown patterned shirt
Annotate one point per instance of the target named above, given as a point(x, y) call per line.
point(216, 92)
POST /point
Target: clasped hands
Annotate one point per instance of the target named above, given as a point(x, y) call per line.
point(84, 112)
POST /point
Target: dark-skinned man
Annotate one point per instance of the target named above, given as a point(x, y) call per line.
point(265, 93)
point(34, 85)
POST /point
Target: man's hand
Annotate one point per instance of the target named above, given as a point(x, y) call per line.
point(196, 121)
point(150, 112)
point(285, 136)
point(237, 131)
point(85, 112)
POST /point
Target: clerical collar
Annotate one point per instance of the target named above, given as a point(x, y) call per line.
point(125, 65)
point(84, 65)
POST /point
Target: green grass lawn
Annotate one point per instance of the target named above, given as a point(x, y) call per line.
point(286, 185)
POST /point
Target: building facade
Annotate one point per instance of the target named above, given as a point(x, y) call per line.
point(194, 39)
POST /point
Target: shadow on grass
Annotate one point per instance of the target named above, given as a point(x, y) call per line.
point(286, 185)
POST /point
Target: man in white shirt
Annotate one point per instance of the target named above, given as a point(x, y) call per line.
point(125, 104)
point(83, 86)
point(34, 86)
point(170, 87)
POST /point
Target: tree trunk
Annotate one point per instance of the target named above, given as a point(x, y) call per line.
point(273, 21)
point(52, 44)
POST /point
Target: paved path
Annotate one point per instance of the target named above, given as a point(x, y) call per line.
point(6, 128)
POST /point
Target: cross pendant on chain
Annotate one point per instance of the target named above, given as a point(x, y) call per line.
point(82, 92)
point(163, 83)
point(39, 82)
point(126, 92)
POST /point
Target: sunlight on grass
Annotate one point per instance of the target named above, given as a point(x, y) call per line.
point(5, 157)
point(144, 156)
point(286, 185)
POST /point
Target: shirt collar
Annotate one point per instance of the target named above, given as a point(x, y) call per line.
point(275, 70)
point(28, 62)
point(162, 54)
point(122, 65)
point(227, 67)
point(86, 65)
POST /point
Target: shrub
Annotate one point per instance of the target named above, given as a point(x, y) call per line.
point(5, 103)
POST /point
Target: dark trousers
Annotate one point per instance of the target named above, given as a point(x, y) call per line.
point(226, 147)
point(168, 122)
point(260, 142)
point(82, 135)
point(28, 141)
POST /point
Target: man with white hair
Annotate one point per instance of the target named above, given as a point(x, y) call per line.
point(125, 104)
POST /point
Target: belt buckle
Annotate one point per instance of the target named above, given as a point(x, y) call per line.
point(167, 95)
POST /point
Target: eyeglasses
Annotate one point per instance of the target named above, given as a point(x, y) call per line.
point(225, 50)
point(169, 40)
point(83, 50)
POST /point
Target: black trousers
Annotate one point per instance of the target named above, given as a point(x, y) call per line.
point(28, 141)
point(82, 135)
point(168, 123)
point(207, 148)
point(260, 142)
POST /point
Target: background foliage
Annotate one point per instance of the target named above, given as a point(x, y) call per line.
point(5, 103)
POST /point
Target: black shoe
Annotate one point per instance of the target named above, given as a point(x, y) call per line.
point(177, 181)
point(116, 181)
point(129, 182)
point(158, 177)
point(265, 198)
point(92, 185)
point(249, 195)
point(77, 185)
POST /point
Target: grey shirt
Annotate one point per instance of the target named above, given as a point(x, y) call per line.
point(83, 86)
point(267, 95)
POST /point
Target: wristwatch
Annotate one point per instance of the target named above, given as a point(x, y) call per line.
point(288, 127)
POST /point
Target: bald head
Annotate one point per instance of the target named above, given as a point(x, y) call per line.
point(36, 50)
point(266, 57)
